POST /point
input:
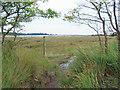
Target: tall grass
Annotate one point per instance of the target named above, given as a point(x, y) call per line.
point(23, 67)
point(89, 68)
point(14, 70)
point(0, 65)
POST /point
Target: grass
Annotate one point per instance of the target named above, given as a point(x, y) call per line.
point(24, 65)
point(58, 47)
point(88, 70)
point(0, 65)
point(14, 69)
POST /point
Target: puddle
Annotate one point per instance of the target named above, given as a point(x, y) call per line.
point(66, 65)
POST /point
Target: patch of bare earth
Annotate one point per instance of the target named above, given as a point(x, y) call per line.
point(49, 81)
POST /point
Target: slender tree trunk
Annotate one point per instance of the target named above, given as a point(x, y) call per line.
point(3, 38)
point(106, 46)
point(99, 39)
point(103, 21)
point(3, 35)
point(14, 35)
point(2, 32)
point(105, 35)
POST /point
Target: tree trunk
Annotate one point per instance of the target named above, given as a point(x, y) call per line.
point(105, 35)
point(14, 35)
point(3, 38)
point(99, 39)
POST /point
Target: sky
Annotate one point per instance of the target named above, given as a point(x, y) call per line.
point(57, 25)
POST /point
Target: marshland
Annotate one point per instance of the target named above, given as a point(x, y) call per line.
point(24, 65)
point(73, 44)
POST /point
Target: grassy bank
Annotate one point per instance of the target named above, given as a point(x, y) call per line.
point(24, 65)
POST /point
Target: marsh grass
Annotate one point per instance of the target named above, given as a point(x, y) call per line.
point(14, 70)
point(89, 68)
point(24, 64)
point(23, 67)
point(0, 65)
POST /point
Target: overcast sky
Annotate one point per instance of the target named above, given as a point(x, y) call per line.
point(57, 25)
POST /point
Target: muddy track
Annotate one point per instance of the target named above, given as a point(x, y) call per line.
point(51, 80)
point(52, 84)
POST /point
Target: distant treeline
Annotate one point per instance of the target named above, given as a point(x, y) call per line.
point(112, 34)
point(29, 33)
point(97, 35)
point(33, 34)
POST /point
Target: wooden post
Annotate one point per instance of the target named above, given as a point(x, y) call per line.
point(44, 46)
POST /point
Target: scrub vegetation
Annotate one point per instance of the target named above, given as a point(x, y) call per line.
point(25, 67)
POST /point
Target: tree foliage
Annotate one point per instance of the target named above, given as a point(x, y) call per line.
point(13, 13)
point(96, 11)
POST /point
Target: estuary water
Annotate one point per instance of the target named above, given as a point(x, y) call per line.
point(26, 35)
point(39, 35)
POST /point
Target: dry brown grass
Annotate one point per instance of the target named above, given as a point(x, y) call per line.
point(58, 47)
